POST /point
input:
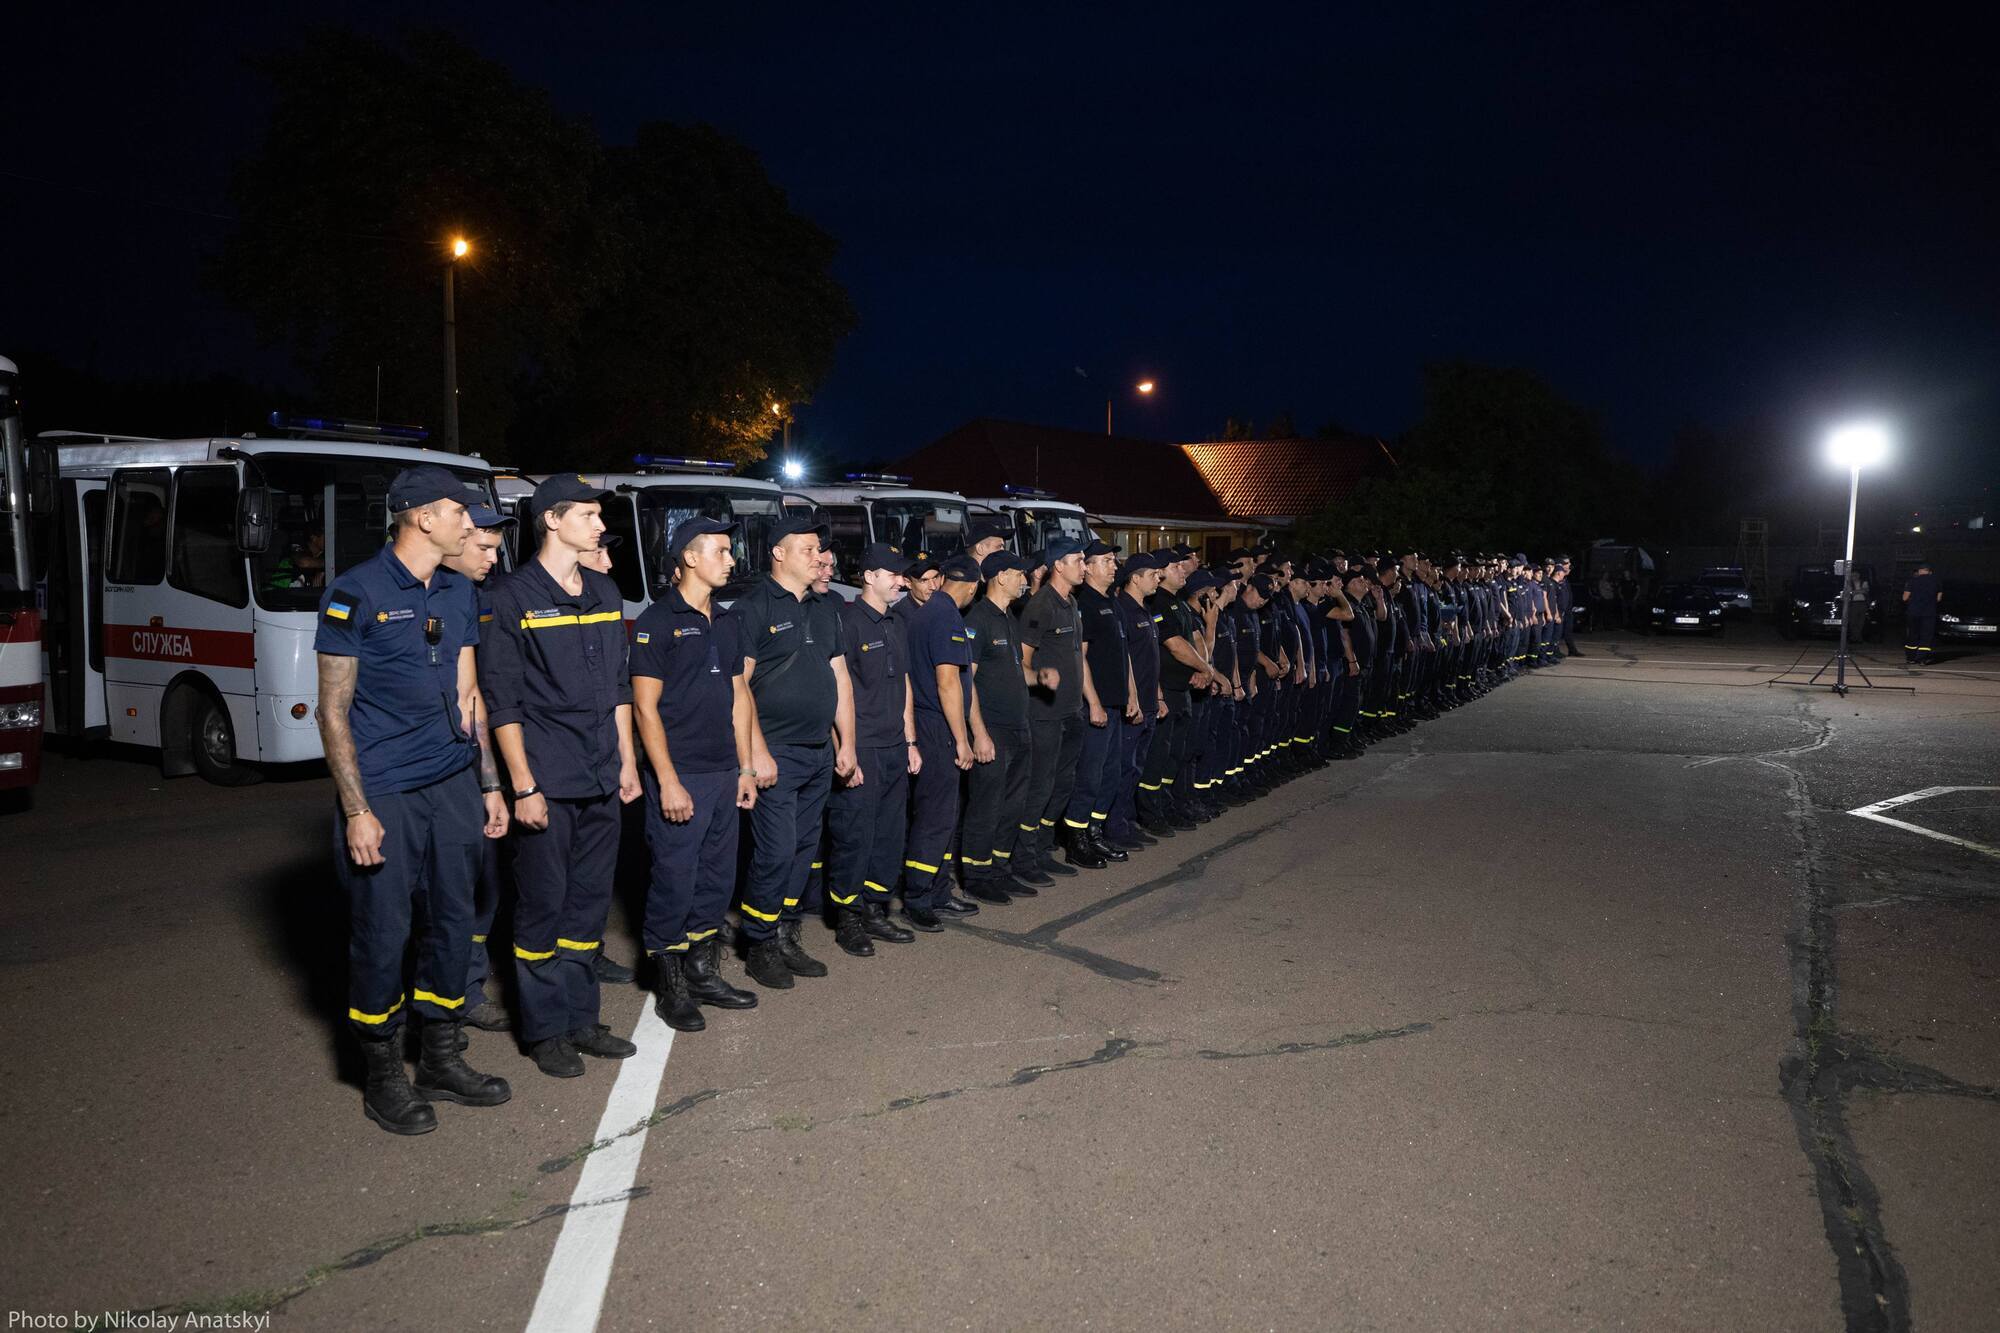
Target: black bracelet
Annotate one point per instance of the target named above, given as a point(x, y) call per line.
point(525, 793)
point(487, 789)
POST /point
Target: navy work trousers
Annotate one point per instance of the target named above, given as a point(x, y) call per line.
point(996, 794)
point(784, 836)
point(867, 826)
point(693, 863)
point(562, 895)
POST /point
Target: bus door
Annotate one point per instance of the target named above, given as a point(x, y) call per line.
point(73, 631)
point(177, 614)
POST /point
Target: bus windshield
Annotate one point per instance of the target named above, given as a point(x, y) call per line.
point(15, 584)
point(327, 515)
point(936, 527)
point(1039, 527)
point(663, 509)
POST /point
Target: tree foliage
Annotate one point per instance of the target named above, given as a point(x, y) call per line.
point(661, 295)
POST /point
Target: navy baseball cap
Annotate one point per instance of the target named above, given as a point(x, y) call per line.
point(1096, 548)
point(1181, 550)
point(1000, 562)
point(1261, 584)
point(923, 562)
point(1142, 561)
point(1200, 581)
point(566, 487)
point(486, 516)
point(960, 569)
point(881, 555)
point(792, 527)
point(1061, 547)
point(687, 532)
point(426, 483)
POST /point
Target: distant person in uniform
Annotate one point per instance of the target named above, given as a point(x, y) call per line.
point(609, 970)
point(1921, 597)
point(1002, 746)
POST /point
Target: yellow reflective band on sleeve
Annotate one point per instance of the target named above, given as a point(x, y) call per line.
point(697, 936)
point(423, 996)
point(1004, 856)
point(842, 901)
point(761, 916)
point(871, 884)
point(530, 956)
point(1072, 823)
point(581, 946)
point(919, 865)
point(382, 1017)
point(479, 939)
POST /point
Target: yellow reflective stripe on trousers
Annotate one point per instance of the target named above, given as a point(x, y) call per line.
point(438, 1000)
point(1072, 823)
point(1005, 856)
point(842, 901)
point(382, 1017)
point(1027, 828)
point(581, 946)
point(871, 884)
point(761, 916)
point(791, 902)
point(697, 936)
point(919, 865)
point(972, 862)
point(530, 956)
point(479, 939)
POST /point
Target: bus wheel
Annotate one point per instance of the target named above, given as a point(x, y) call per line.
point(212, 741)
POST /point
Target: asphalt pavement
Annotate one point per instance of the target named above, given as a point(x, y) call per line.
point(1589, 1005)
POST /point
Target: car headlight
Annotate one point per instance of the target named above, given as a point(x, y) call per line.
point(1659, 610)
point(1802, 604)
point(1715, 610)
point(1949, 620)
point(21, 717)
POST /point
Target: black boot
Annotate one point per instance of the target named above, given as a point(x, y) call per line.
point(875, 920)
point(1045, 855)
point(850, 932)
point(1102, 847)
point(988, 891)
point(442, 1072)
point(1080, 851)
point(672, 1000)
point(555, 1057)
point(766, 965)
point(602, 1042)
point(609, 972)
point(1028, 870)
point(387, 1097)
point(796, 958)
point(702, 967)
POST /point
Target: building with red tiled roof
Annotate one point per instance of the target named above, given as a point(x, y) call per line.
point(1103, 473)
point(1280, 481)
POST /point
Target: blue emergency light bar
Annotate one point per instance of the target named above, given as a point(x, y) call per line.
point(367, 430)
point(1028, 492)
point(877, 478)
point(667, 463)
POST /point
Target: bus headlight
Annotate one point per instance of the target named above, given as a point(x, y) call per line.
point(21, 716)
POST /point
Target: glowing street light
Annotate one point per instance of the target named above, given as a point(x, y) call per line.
point(458, 248)
point(1143, 388)
point(793, 470)
point(1856, 445)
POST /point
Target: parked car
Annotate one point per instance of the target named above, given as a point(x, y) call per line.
point(1729, 585)
point(1970, 613)
point(1811, 604)
point(1684, 608)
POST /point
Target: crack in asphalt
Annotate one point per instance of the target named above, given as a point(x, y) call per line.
point(265, 1301)
point(1874, 1291)
point(1855, 1063)
point(1330, 1044)
point(679, 1106)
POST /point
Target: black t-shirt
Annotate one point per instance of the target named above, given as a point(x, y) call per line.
point(793, 644)
point(878, 662)
point(1176, 620)
point(1050, 625)
point(696, 661)
point(1142, 645)
point(1923, 590)
point(1103, 646)
point(996, 652)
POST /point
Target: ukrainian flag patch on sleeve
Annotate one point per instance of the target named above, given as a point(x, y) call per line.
point(339, 610)
point(643, 637)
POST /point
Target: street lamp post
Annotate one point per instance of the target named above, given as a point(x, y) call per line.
point(460, 248)
point(1855, 446)
point(1142, 387)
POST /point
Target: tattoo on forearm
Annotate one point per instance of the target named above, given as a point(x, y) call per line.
point(336, 695)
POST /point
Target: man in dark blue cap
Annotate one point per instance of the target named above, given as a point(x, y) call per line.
point(802, 740)
point(398, 699)
point(1139, 579)
point(1110, 704)
point(693, 715)
point(939, 655)
point(1182, 670)
point(1051, 642)
point(1002, 746)
point(869, 821)
point(553, 665)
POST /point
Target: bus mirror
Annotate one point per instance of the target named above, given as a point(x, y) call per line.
point(253, 520)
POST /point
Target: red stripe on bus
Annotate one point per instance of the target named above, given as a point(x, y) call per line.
point(195, 647)
point(25, 627)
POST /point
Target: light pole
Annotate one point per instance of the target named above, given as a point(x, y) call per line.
point(1854, 446)
point(1143, 387)
point(459, 249)
point(785, 419)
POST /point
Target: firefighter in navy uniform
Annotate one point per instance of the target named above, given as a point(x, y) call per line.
point(939, 655)
point(398, 693)
point(1921, 596)
point(869, 819)
point(1139, 579)
point(554, 671)
point(801, 740)
point(1002, 749)
point(1051, 657)
point(1110, 704)
point(693, 716)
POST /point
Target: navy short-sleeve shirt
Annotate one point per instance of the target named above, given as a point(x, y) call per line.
point(996, 651)
point(1103, 645)
point(696, 660)
point(937, 638)
point(792, 642)
point(878, 664)
point(405, 716)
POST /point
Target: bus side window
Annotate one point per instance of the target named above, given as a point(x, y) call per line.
point(625, 568)
point(138, 526)
point(206, 561)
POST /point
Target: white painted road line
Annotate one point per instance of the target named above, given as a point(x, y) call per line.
point(1874, 812)
point(579, 1270)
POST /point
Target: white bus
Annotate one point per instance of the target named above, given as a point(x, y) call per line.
point(646, 507)
point(183, 578)
point(880, 507)
point(1038, 517)
point(20, 619)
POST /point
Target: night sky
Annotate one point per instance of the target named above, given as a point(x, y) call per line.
point(1675, 213)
